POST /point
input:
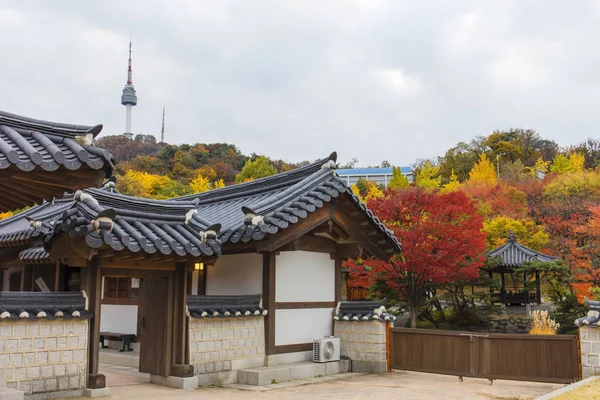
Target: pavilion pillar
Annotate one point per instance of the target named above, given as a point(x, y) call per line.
point(269, 300)
point(538, 287)
point(92, 282)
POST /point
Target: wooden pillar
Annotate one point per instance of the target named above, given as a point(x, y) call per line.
point(57, 277)
point(180, 327)
point(338, 280)
point(92, 282)
point(27, 278)
point(538, 287)
point(269, 301)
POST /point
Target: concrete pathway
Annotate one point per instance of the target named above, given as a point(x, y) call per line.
point(401, 384)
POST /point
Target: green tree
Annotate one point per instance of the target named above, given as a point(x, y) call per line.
point(259, 168)
point(427, 176)
point(398, 181)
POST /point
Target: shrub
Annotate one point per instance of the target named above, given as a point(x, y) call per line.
point(543, 324)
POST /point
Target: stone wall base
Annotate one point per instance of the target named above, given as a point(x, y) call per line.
point(55, 395)
point(369, 367)
point(217, 378)
point(175, 382)
point(103, 392)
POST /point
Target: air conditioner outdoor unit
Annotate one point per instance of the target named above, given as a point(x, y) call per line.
point(326, 350)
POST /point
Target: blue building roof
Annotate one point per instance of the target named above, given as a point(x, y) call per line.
point(371, 171)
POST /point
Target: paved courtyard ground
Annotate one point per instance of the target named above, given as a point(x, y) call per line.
point(126, 385)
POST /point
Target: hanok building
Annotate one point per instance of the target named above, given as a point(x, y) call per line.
point(247, 275)
point(510, 256)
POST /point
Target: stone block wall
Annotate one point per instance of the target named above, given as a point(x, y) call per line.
point(226, 344)
point(365, 342)
point(589, 339)
point(44, 357)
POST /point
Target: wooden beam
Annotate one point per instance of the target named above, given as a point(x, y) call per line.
point(358, 234)
point(315, 244)
point(292, 348)
point(294, 231)
point(298, 305)
point(135, 273)
point(268, 291)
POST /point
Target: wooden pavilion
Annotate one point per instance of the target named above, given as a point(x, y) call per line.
point(512, 255)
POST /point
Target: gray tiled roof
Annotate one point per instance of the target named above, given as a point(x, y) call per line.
point(513, 254)
point(359, 311)
point(225, 306)
point(28, 144)
point(46, 305)
point(192, 225)
point(279, 201)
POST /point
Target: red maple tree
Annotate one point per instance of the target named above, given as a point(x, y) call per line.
point(442, 241)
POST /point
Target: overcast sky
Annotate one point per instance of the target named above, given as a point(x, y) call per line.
point(374, 79)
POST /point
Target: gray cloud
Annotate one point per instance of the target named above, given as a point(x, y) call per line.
point(396, 80)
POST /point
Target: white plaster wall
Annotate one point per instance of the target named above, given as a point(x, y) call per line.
point(119, 318)
point(304, 276)
point(303, 325)
point(235, 274)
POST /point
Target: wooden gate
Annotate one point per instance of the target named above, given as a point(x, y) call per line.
point(153, 312)
point(541, 358)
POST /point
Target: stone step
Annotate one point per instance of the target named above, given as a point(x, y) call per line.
point(261, 376)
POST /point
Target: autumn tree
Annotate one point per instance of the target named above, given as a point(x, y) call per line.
point(255, 169)
point(428, 176)
point(399, 180)
point(526, 230)
point(442, 242)
point(574, 162)
point(483, 172)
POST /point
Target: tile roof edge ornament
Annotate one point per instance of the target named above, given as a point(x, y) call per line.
point(251, 218)
point(593, 316)
point(105, 217)
point(331, 161)
point(210, 233)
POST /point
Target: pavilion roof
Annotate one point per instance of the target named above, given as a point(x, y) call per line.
point(514, 254)
point(41, 159)
point(196, 225)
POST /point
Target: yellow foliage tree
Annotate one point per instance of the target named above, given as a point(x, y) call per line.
point(483, 172)
point(200, 184)
point(526, 231)
point(398, 181)
point(373, 191)
point(6, 215)
point(356, 191)
point(574, 184)
point(453, 185)
point(218, 184)
point(428, 176)
point(573, 163)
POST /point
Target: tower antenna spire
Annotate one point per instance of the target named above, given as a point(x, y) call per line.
point(129, 71)
point(162, 131)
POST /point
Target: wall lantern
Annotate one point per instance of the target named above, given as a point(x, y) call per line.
point(199, 266)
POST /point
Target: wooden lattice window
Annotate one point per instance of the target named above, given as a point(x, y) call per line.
point(117, 288)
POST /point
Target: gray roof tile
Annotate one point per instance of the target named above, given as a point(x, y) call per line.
point(513, 254)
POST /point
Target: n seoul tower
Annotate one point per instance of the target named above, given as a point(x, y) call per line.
point(128, 99)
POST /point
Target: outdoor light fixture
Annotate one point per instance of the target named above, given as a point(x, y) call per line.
point(199, 266)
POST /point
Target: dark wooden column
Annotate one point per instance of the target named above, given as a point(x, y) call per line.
point(269, 301)
point(180, 328)
point(92, 282)
point(27, 278)
point(538, 287)
point(338, 280)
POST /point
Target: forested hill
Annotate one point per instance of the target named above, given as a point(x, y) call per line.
point(160, 170)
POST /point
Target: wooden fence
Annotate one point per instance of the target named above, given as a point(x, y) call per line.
point(541, 358)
